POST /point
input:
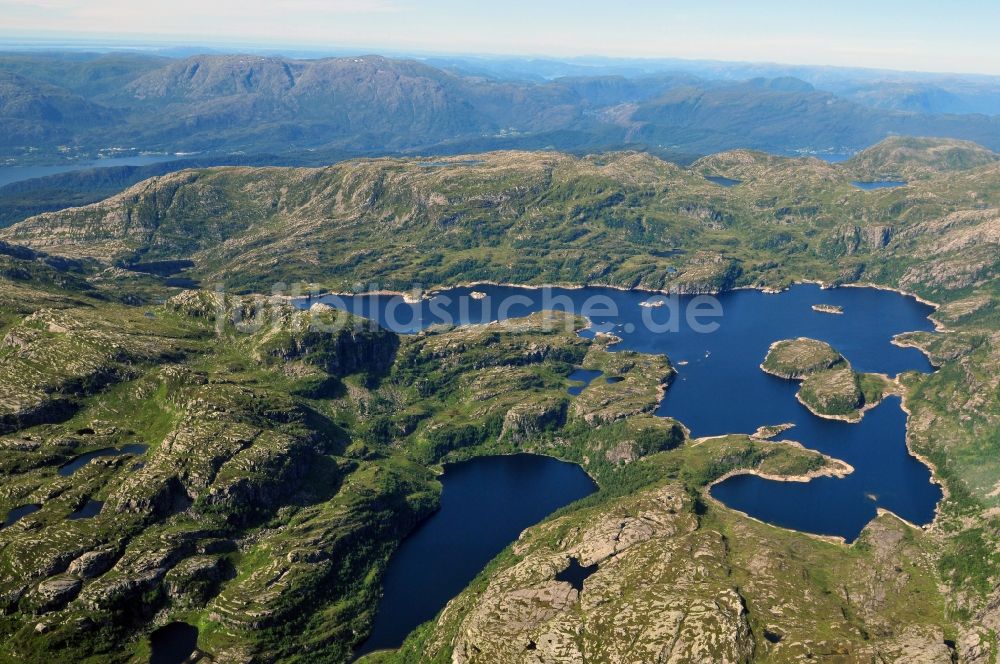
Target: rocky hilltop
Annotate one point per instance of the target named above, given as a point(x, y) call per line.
point(902, 157)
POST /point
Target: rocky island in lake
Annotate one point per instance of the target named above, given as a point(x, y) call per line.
point(830, 387)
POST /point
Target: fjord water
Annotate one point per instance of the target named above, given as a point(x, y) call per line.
point(485, 504)
point(12, 174)
point(719, 389)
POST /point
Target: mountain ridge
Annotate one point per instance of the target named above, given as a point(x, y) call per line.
point(376, 104)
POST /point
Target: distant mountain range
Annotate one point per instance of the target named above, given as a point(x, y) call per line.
point(81, 103)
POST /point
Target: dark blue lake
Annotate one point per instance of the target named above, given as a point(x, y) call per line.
point(584, 377)
point(485, 504)
point(89, 510)
point(173, 644)
point(19, 513)
point(719, 389)
point(79, 462)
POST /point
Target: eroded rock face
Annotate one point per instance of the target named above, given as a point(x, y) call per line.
point(193, 578)
point(530, 419)
point(916, 645)
point(93, 563)
point(53, 593)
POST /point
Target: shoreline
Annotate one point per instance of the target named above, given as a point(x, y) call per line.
point(439, 469)
point(945, 493)
point(897, 342)
point(847, 418)
point(418, 295)
point(894, 388)
point(832, 468)
point(428, 293)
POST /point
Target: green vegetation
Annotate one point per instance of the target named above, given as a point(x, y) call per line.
point(283, 453)
point(692, 578)
point(830, 388)
point(909, 158)
point(798, 358)
point(285, 463)
point(622, 219)
point(833, 393)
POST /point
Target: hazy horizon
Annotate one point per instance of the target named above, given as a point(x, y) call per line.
point(893, 35)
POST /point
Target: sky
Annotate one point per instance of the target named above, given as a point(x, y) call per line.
point(916, 35)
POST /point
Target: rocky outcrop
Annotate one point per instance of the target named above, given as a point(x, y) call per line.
point(527, 420)
point(51, 594)
point(93, 563)
point(633, 384)
point(830, 387)
point(194, 579)
point(832, 392)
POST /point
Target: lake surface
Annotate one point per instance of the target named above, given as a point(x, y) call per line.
point(485, 504)
point(79, 462)
point(173, 644)
point(446, 164)
point(725, 182)
point(576, 573)
point(585, 376)
point(719, 389)
point(90, 509)
point(884, 184)
point(19, 513)
point(10, 174)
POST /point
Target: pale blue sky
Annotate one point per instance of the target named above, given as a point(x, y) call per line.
point(917, 34)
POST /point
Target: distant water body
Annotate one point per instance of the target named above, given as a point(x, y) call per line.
point(831, 157)
point(879, 184)
point(721, 389)
point(11, 174)
point(719, 180)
